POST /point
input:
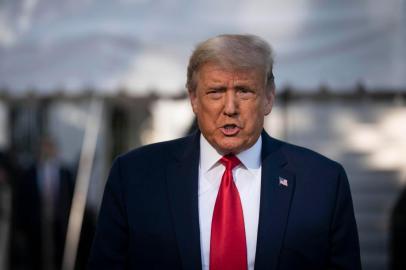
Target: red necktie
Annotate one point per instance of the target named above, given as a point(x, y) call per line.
point(228, 249)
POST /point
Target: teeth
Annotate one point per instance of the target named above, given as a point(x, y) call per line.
point(229, 126)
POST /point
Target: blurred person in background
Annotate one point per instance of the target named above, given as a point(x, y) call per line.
point(228, 196)
point(398, 234)
point(7, 178)
point(42, 201)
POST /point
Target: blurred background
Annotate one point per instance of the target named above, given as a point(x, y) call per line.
point(82, 81)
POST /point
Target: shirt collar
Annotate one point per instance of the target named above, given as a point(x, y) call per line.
point(250, 158)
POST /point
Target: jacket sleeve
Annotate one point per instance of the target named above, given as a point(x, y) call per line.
point(344, 246)
point(110, 244)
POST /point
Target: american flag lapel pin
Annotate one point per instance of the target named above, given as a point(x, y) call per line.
point(283, 182)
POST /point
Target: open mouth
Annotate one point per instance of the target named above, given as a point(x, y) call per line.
point(230, 129)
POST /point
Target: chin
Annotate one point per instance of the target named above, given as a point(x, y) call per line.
point(230, 145)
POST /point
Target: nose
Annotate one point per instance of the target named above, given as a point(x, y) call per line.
point(230, 103)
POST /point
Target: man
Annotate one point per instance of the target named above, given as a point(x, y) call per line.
point(397, 239)
point(7, 178)
point(228, 196)
point(42, 201)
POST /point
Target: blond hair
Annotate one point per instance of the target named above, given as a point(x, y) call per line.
point(233, 52)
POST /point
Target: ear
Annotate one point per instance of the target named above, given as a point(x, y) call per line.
point(193, 100)
point(268, 101)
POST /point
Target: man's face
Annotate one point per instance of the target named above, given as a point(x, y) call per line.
point(230, 106)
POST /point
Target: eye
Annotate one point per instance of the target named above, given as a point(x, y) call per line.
point(215, 93)
point(245, 93)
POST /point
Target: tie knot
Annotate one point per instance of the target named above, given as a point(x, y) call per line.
point(230, 161)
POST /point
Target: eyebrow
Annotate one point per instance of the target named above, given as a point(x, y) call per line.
point(219, 85)
point(242, 86)
point(217, 88)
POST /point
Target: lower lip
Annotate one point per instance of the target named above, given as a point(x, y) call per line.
point(230, 131)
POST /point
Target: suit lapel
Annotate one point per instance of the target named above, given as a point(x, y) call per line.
point(276, 195)
point(182, 184)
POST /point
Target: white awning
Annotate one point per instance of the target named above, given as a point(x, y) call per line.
point(143, 46)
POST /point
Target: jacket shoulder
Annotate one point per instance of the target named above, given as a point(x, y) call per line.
point(303, 157)
point(155, 152)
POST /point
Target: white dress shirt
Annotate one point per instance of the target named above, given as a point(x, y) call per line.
point(247, 177)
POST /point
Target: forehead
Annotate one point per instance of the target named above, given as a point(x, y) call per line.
point(215, 73)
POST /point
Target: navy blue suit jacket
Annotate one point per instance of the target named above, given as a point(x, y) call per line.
point(27, 245)
point(149, 215)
